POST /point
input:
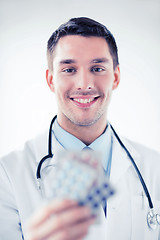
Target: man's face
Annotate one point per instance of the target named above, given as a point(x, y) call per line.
point(82, 79)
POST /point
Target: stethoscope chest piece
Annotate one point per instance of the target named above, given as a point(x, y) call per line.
point(158, 218)
point(153, 220)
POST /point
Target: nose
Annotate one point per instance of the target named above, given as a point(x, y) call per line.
point(84, 80)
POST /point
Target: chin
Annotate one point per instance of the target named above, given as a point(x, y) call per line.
point(85, 122)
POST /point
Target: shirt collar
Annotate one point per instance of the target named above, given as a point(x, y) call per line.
point(69, 142)
point(66, 140)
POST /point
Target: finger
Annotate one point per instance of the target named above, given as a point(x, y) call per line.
point(61, 221)
point(52, 208)
point(74, 232)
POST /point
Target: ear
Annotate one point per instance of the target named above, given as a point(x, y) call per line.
point(116, 77)
point(49, 78)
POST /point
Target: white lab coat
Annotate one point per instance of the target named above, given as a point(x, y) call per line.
point(126, 211)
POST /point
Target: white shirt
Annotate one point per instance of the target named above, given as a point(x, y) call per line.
point(103, 144)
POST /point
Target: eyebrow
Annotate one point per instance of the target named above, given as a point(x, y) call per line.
point(99, 60)
point(96, 60)
point(67, 61)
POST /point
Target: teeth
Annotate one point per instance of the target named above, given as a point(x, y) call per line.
point(81, 100)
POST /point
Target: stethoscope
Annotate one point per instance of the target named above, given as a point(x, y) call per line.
point(153, 220)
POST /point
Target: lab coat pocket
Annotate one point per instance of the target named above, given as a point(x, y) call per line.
point(140, 227)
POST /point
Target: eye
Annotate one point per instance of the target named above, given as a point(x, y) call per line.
point(97, 69)
point(69, 70)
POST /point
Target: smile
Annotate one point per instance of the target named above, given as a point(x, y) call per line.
point(84, 102)
point(81, 100)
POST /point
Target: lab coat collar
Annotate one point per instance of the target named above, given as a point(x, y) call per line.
point(120, 160)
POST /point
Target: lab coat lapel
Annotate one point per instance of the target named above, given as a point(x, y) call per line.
point(128, 209)
point(120, 161)
point(119, 211)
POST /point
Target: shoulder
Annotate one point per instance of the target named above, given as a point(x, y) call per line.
point(144, 153)
point(142, 149)
point(32, 151)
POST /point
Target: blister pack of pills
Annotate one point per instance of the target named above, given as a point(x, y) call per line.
point(79, 176)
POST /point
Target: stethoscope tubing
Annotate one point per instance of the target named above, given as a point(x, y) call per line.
point(136, 168)
point(50, 155)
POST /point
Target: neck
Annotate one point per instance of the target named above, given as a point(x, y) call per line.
point(87, 134)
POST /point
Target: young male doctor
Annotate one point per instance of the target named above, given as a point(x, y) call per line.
point(83, 70)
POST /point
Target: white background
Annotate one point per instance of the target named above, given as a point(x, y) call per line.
point(26, 103)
